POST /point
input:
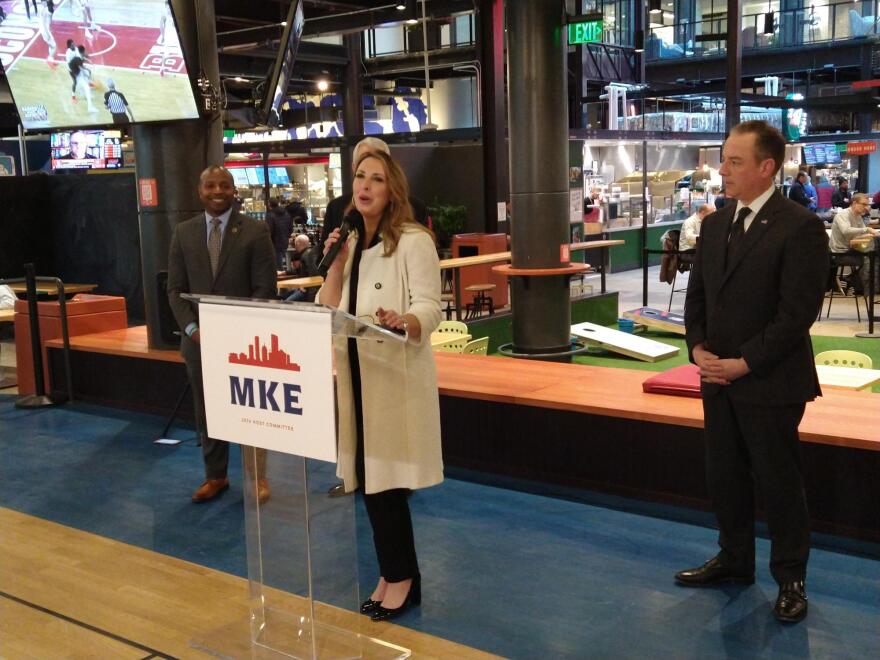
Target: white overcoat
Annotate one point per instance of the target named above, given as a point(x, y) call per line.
point(398, 380)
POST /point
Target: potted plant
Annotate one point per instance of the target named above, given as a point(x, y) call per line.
point(448, 220)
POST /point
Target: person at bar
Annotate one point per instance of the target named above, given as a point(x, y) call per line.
point(389, 410)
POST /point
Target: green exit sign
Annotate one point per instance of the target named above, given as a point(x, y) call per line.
point(585, 32)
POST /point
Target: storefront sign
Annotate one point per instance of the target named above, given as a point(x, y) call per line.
point(256, 137)
point(861, 148)
point(585, 32)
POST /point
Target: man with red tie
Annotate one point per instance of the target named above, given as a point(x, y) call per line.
point(224, 253)
point(756, 286)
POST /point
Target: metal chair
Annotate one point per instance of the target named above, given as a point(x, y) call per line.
point(844, 358)
point(477, 346)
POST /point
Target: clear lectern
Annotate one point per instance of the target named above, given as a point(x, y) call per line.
point(302, 554)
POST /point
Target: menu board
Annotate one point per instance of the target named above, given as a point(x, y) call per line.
point(278, 176)
point(239, 176)
point(821, 154)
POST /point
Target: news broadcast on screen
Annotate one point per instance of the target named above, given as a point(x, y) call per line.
point(86, 150)
point(75, 63)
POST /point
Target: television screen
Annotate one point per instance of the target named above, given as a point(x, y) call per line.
point(278, 176)
point(75, 63)
point(239, 176)
point(86, 150)
point(276, 87)
point(809, 154)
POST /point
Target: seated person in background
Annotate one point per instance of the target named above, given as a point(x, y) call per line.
point(850, 224)
point(304, 263)
point(798, 192)
point(690, 228)
point(842, 197)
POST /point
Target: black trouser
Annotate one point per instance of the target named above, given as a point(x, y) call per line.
point(215, 452)
point(749, 445)
point(388, 510)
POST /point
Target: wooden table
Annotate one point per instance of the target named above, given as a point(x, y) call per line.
point(847, 378)
point(50, 290)
point(6, 315)
point(301, 282)
point(445, 338)
point(461, 262)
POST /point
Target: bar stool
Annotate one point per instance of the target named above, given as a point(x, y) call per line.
point(836, 280)
point(481, 301)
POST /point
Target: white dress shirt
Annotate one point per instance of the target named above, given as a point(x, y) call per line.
point(756, 205)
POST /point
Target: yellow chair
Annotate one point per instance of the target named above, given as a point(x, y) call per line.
point(452, 347)
point(455, 327)
point(852, 359)
point(477, 346)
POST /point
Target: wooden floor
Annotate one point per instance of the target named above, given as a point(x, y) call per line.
point(65, 593)
point(844, 418)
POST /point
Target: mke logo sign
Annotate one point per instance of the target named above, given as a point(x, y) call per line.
point(266, 394)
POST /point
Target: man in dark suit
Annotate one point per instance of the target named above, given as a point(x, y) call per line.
point(756, 286)
point(219, 252)
point(798, 192)
point(335, 210)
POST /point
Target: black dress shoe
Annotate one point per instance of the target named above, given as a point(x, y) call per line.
point(711, 573)
point(337, 491)
point(369, 606)
point(414, 597)
point(791, 605)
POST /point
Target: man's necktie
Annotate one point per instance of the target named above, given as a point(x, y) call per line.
point(737, 231)
point(214, 245)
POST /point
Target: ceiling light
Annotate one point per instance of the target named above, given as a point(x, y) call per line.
point(323, 85)
point(411, 21)
point(283, 23)
point(401, 7)
point(239, 79)
point(654, 6)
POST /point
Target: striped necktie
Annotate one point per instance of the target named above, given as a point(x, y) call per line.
point(214, 245)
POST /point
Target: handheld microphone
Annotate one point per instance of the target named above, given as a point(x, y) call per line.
point(349, 222)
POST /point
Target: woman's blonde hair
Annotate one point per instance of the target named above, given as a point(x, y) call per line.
point(398, 214)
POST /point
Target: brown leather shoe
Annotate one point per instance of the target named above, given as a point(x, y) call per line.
point(263, 491)
point(210, 489)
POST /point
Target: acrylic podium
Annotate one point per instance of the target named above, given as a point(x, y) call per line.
point(267, 371)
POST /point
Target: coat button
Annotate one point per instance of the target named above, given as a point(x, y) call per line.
point(378, 285)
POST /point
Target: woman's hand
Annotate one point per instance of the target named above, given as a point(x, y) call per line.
point(409, 322)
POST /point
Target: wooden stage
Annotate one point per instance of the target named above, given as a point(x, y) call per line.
point(559, 424)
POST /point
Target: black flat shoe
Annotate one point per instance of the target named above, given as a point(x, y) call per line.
point(711, 573)
point(414, 597)
point(791, 604)
point(369, 606)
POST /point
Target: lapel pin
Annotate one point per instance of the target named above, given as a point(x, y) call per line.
point(763, 222)
point(235, 229)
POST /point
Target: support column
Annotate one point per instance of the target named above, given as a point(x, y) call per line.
point(352, 102)
point(734, 64)
point(172, 156)
point(538, 126)
point(490, 33)
point(866, 121)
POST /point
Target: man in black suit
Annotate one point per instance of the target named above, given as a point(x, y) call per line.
point(225, 253)
point(798, 192)
point(756, 286)
point(335, 210)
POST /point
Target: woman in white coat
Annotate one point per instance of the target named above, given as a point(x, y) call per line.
point(389, 410)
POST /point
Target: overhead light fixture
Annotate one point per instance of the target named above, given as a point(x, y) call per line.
point(640, 41)
point(401, 6)
point(769, 23)
point(654, 6)
point(412, 21)
point(239, 79)
point(323, 85)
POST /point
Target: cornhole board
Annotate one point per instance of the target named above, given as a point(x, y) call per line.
point(657, 319)
point(623, 342)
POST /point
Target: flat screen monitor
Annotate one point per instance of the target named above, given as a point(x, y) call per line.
point(810, 154)
point(252, 176)
point(276, 87)
point(821, 153)
point(278, 176)
point(86, 150)
point(94, 63)
point(239, 176)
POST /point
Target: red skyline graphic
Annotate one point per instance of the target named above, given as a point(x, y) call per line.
point(262, 356)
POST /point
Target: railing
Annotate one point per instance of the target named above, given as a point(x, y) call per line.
point(793, 28)
point(395, 40)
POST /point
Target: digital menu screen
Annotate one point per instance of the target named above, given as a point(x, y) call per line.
point(278, 176)
point(85, 150)
point(239, 176)
point(821, 154)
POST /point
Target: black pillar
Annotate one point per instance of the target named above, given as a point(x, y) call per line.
point(170, 157)
point(866, 121)
point(537, 82)
point(734, 65)
point(490, 35)
point(352, 102)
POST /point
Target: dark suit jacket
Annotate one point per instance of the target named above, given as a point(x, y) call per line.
point(798, 194)
point(336, 211)
point(761, 305)
point(246, 269)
